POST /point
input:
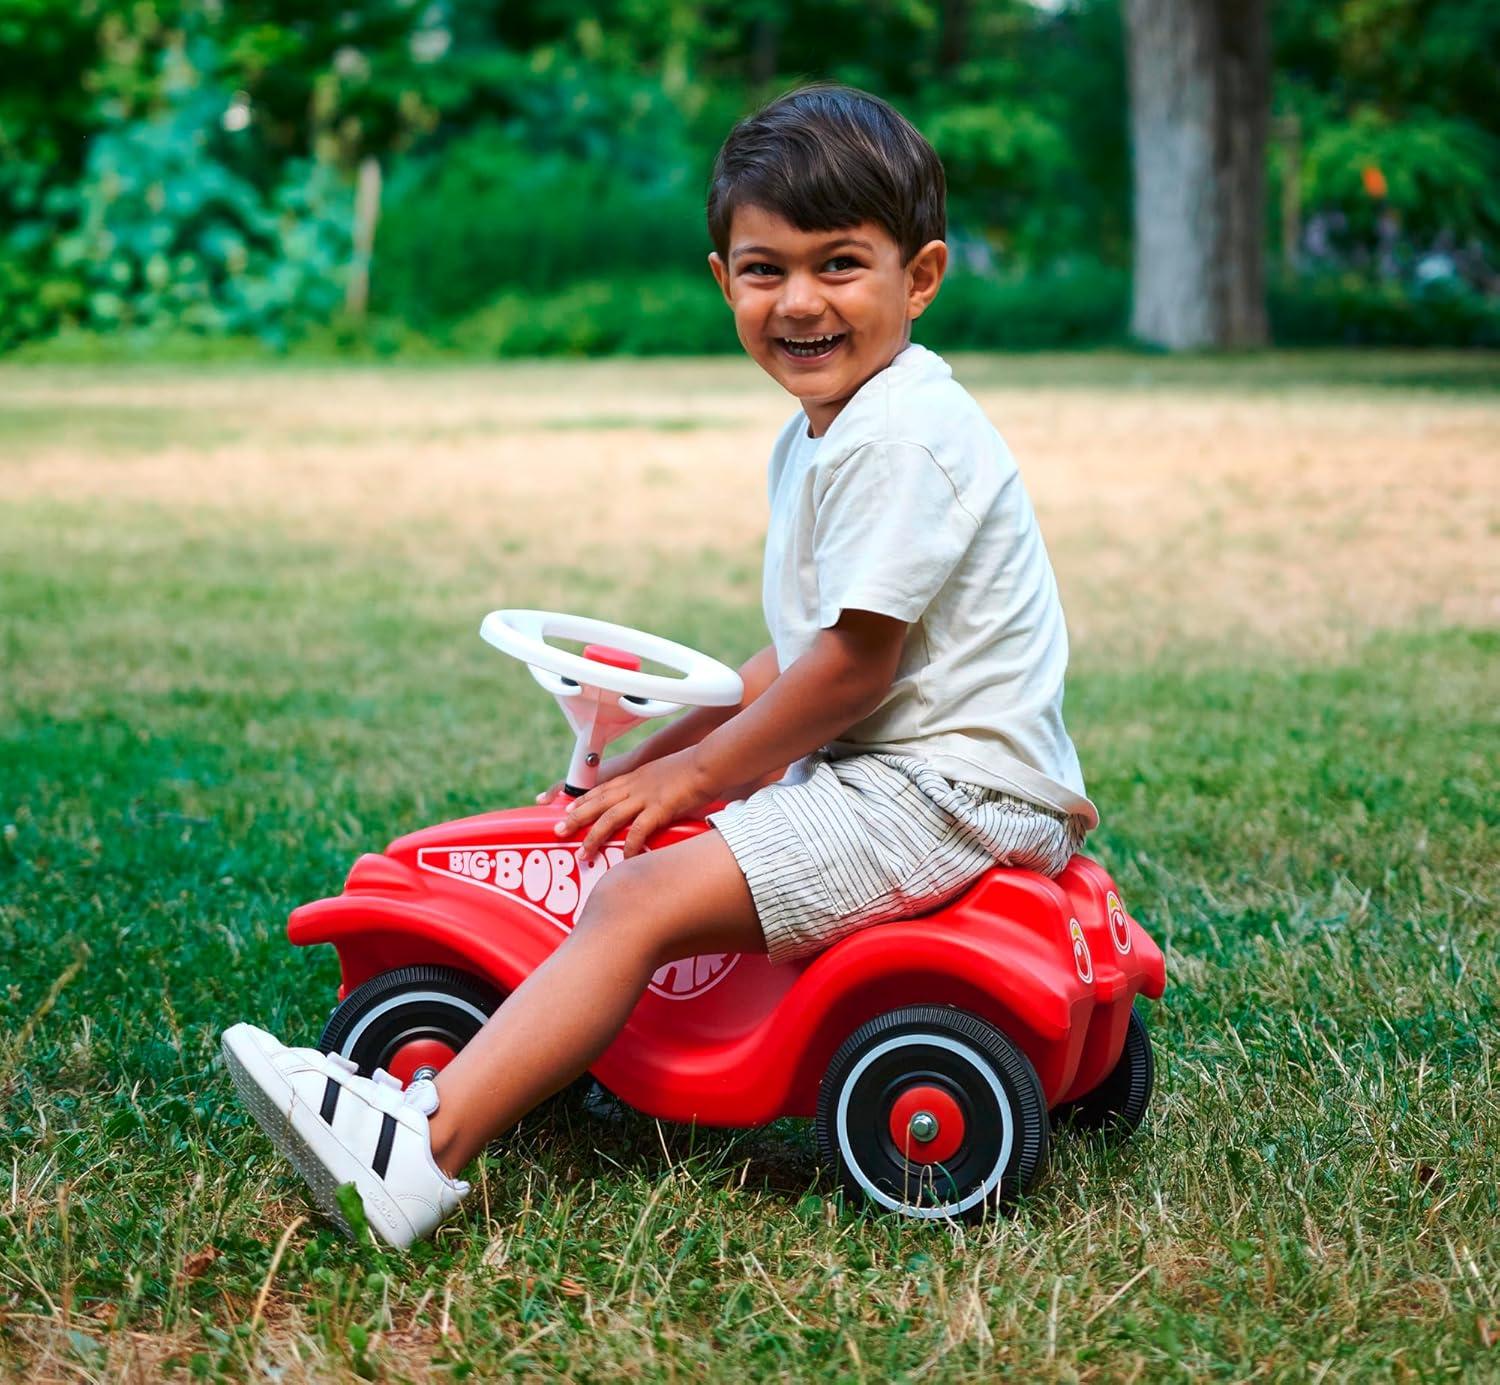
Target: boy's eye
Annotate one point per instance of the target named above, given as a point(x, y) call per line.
point(839, 263)
point(760, 269)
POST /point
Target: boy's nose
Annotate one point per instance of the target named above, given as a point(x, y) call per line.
point(801, 296)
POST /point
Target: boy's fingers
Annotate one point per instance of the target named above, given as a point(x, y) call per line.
point(583, 811)
point(604, 829)
point(635, 839)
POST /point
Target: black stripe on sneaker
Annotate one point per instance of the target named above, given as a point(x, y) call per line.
point(330, 1100)
point(383, 1145)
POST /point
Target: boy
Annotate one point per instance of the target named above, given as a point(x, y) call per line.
point(914, 680)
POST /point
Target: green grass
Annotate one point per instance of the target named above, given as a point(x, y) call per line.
point(1450, 372)
point(201, 725)
point(108, 429)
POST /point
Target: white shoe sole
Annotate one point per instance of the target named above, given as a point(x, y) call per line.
point(303, 1138)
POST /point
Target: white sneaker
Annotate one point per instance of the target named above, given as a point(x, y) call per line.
point(337, 1128)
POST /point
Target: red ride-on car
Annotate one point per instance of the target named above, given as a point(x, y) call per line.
point(928, 1051)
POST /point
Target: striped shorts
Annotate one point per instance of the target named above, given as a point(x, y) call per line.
point(838, 845)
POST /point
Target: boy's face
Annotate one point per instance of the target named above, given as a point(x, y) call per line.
point(823, 311)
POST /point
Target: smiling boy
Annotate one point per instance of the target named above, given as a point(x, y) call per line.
point(913, 681)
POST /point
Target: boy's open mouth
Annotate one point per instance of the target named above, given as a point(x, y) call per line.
point(810, 348)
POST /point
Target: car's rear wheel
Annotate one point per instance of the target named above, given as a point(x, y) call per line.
point(932, 1112)
point(411, 1021)
point(1118, 1104)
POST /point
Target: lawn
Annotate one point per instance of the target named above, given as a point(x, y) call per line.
point(238, 615)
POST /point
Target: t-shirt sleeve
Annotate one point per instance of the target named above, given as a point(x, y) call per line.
point(888, 530)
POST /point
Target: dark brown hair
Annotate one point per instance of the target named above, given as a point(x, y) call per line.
point(828, 157)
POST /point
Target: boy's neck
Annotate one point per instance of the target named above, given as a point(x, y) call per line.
point(820, 417)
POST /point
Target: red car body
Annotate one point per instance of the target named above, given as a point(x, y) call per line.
point(732, 1040)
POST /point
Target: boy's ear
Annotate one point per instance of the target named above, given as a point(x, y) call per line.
point(924, 276)
point(721, 275)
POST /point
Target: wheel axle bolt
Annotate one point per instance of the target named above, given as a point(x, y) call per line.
point(923, 1127)
point(424, 1073)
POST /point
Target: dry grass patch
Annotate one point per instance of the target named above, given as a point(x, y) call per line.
point(1178, 516)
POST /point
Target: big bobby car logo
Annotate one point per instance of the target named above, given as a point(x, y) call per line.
point(551, 881)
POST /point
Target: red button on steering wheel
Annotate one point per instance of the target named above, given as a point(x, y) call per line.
point(615, 658)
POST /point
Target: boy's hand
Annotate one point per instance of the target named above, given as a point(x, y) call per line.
point(648, 798)
point(615, 765)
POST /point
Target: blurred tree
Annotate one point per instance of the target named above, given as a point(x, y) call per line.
point(164, 233)
point(512, 128)
point(60, 64)
point(1031, 127)
point(1200, 105)
point(328, 80)
point(1396, 100)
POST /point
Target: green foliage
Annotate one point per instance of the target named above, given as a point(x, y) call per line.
point(169, 235)
point(532, 146)
point(488, 214)
point(1350, 311)
point(326, 81)
point(633, 315)
point(1031, 128)
point(1400, 132)
point(1398, 56)
point(1075, 305)
point(678, 314)
point(46, 106)
point(29, 299)
point(1439, 174)
point(1010, 164)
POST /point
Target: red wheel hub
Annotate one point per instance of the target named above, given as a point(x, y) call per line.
point(418, 1053)
point(927, 1124)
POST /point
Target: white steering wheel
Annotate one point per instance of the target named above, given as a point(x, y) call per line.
point(704, 682)
point(579, 684)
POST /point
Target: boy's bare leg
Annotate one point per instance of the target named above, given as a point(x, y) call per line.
point(683, 900)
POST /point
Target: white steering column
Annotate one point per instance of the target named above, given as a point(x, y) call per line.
point(603, 692)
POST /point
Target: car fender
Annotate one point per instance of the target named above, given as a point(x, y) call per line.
point(375, 933)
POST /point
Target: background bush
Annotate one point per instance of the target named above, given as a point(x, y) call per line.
point(639, 315)
point(1070, 308)
point(485, 215)
point(683, 314)
point(1349, 312)
point(184, 167)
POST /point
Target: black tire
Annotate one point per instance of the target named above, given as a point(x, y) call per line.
point(1117, 1106)
point(394, 1008)
point(1004, 1128)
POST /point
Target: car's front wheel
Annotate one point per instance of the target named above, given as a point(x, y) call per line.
point(411, 1021)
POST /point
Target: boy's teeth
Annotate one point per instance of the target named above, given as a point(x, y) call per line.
point(810, 346)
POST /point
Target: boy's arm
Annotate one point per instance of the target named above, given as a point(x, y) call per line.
point(757, 673)
point(839, 681)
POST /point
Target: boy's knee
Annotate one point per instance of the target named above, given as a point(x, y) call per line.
point(625, 908)
point(616, 896)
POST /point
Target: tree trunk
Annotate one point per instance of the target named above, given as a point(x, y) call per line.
point(1200, 106)
point(954, 45)
point(366, 214)
point(765, 38)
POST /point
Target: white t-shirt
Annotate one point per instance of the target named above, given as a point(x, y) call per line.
point(911, 506)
